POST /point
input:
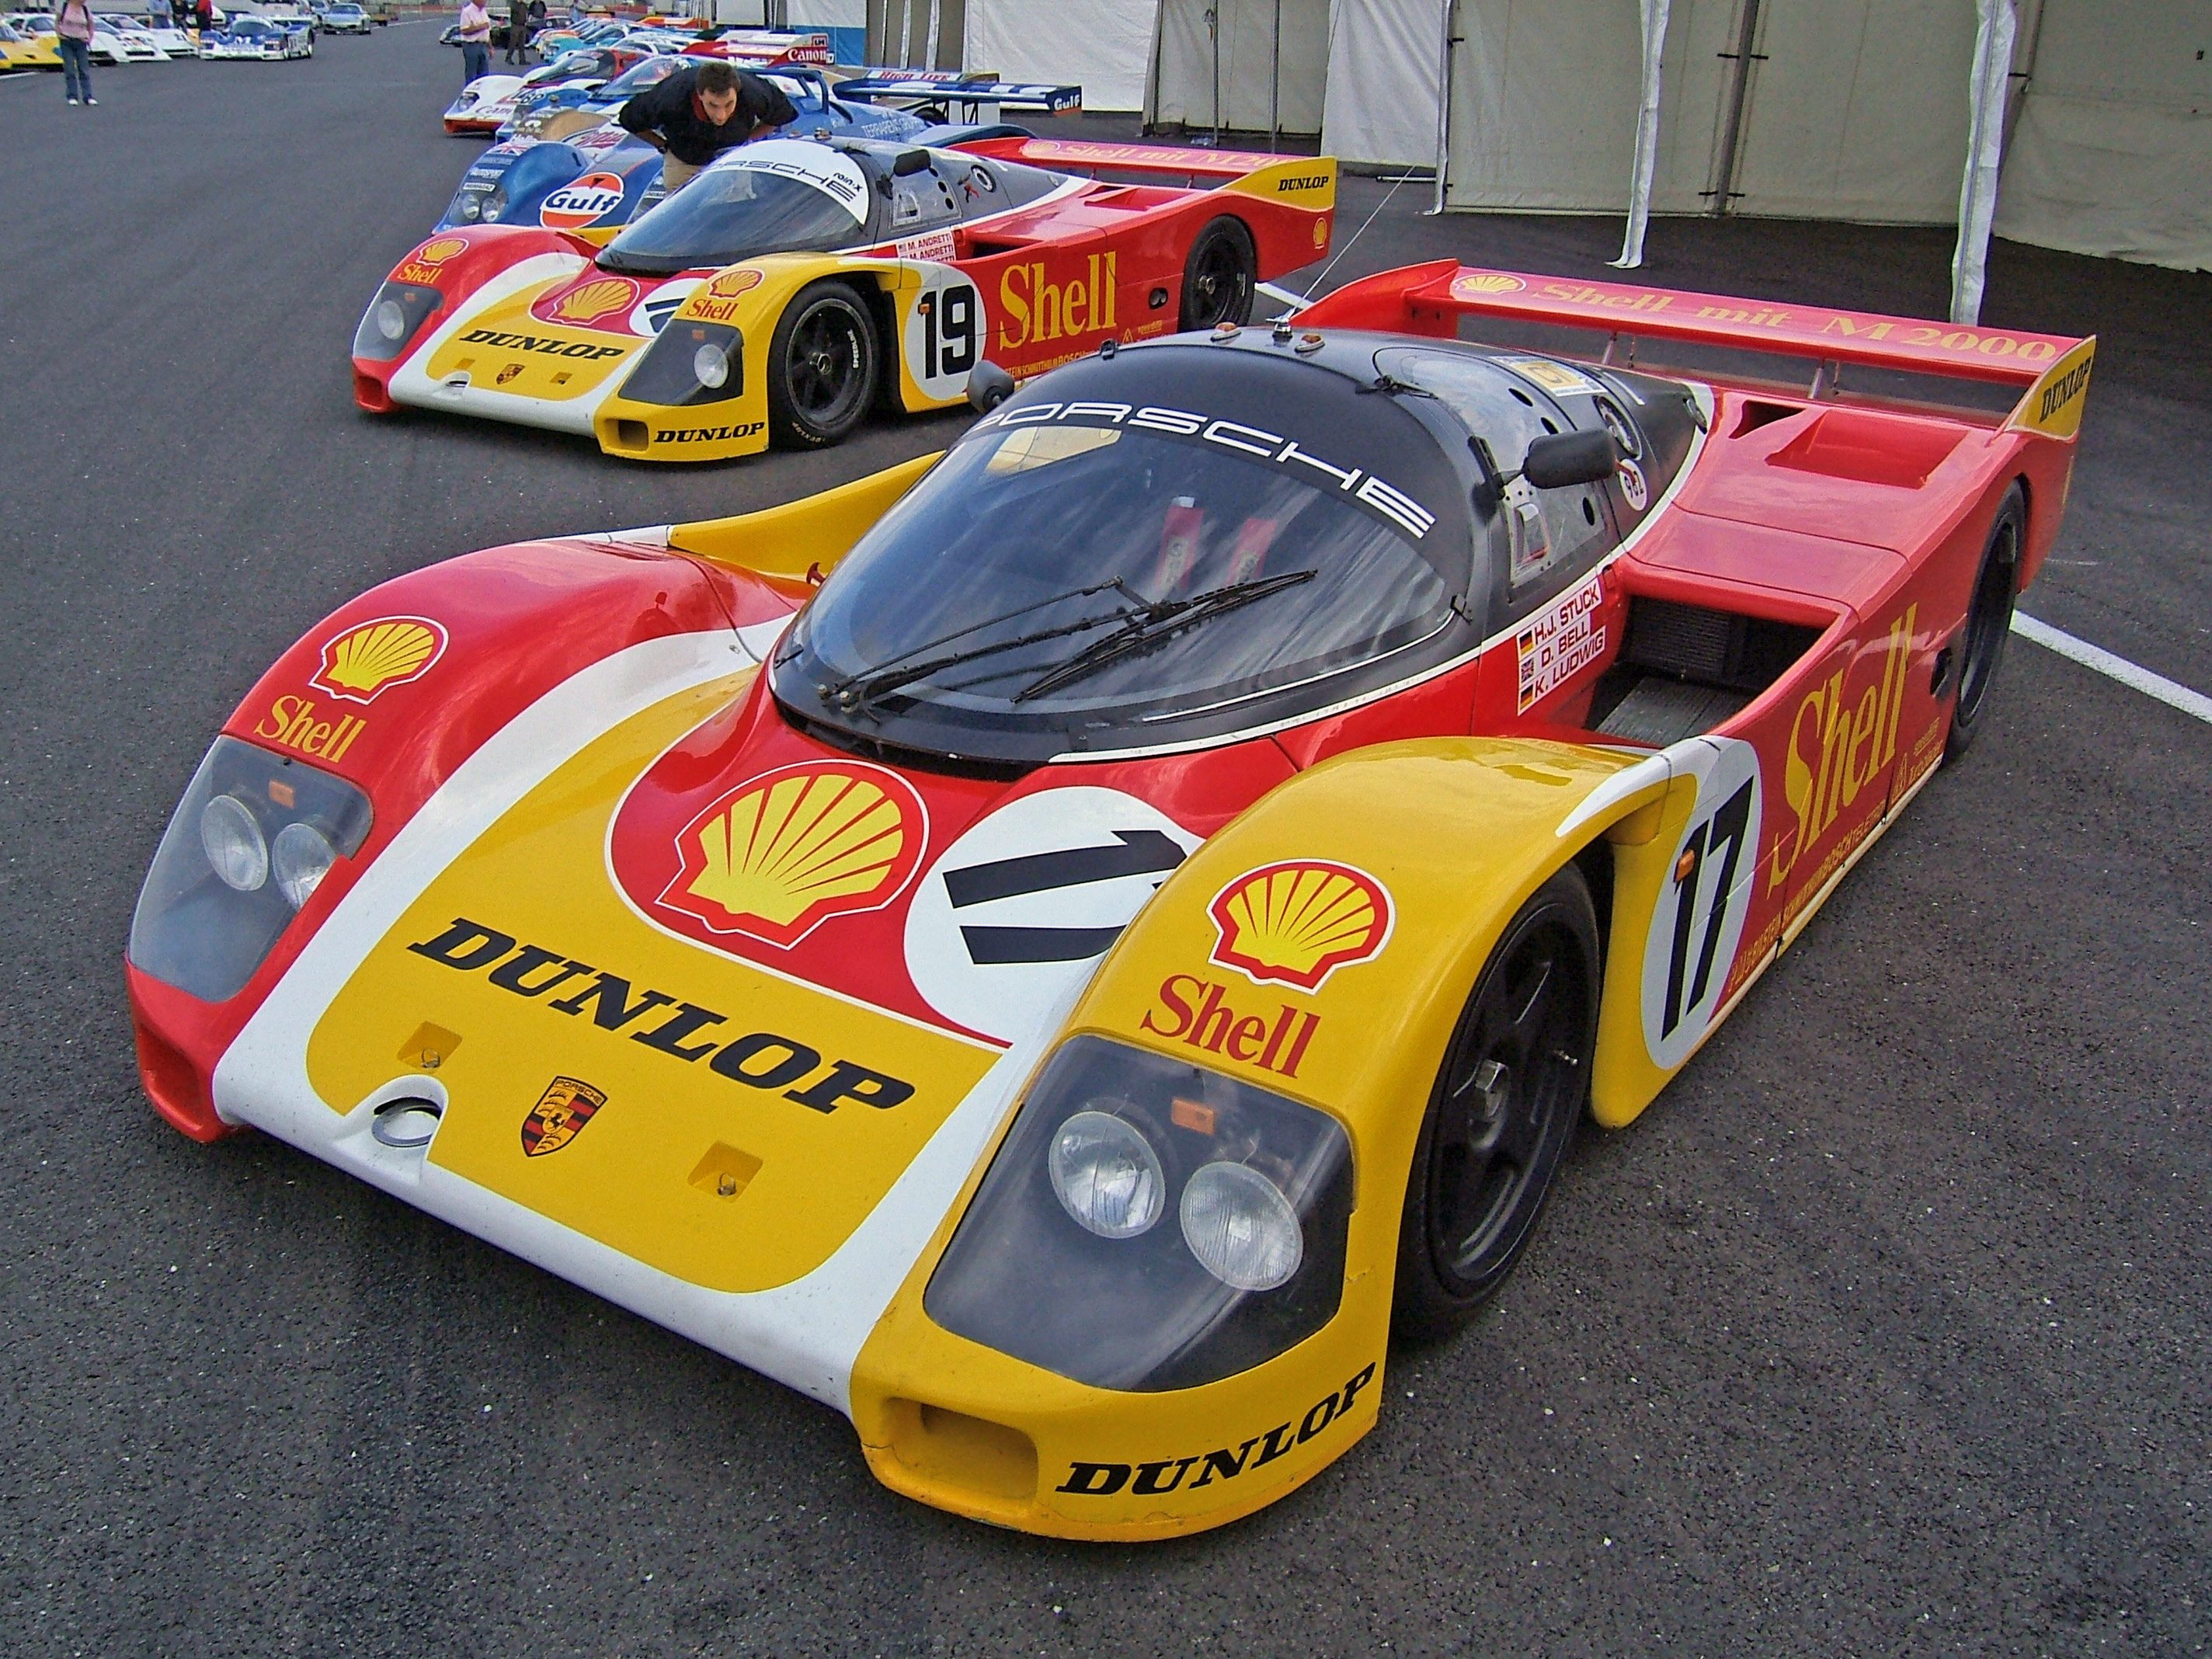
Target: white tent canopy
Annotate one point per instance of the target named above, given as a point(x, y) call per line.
point(1101, 44)
point(2081, 124)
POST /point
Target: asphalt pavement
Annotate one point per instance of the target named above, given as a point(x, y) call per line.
point(1885, 1331)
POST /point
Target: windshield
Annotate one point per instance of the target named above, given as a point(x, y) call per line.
point(1096, 586)
point(638, 77)
point(746, 206)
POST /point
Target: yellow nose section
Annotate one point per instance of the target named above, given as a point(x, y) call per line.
point(719, 1121)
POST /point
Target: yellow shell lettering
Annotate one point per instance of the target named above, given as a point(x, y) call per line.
point(785, 847)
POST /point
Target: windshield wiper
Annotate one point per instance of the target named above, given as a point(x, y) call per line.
point(854, 692)
point(1156, 623)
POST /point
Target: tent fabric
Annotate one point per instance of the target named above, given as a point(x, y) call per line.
point(2111, 147)
point(1101, 44)
point(1257, 93)
point(1385, 77)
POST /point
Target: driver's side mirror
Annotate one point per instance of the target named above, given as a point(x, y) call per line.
point(988, 385)
point(909, 162)
point(1558, 459)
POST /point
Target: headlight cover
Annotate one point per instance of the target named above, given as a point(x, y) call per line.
point(1230, 1254)
point(247, 847)
point(690, 363)
point(392, 319)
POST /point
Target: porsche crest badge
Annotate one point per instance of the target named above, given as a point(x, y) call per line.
point(560, 1116)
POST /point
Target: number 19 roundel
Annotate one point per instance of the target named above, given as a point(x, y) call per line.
point(1703, 902)
point(944, 333)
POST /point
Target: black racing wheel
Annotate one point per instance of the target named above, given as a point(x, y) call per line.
point(821, 367)
point(1220, 277)
point(1989, 621)
point(1503, 1111)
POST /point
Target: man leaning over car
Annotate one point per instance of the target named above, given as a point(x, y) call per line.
point(695, 114)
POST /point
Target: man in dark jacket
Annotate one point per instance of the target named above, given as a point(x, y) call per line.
point(695, 114)
point(518, 31)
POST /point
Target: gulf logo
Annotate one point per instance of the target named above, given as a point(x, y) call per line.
point(575, 205)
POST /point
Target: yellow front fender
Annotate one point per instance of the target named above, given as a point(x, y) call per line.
point(1426, 849)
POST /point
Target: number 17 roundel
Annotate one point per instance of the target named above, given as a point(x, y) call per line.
point(1702, 902)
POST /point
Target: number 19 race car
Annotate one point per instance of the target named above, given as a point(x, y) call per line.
point(1150, 921)
point(808, 282)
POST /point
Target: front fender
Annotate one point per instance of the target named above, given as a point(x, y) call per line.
point(1447, 838)
point(749, 298)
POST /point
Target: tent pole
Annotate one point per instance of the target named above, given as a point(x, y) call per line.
point(1213, 22)
point(1985, 122)
point(1275, 85)
point(1747, 36)
point(1654, 18)
point(1443, 106)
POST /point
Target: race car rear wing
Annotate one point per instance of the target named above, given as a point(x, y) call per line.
point(1988, 377)
point(978, 97)
point(1088, 155)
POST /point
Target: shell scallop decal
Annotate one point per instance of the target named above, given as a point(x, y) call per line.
point(371, 657)
point(1297, 922)
point(784, 852)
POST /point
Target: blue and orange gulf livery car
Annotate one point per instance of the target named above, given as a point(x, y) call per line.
point(794, 285)
point(1055, 949)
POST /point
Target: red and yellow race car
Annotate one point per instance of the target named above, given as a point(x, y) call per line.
point(795, 285)
point(1061, 985)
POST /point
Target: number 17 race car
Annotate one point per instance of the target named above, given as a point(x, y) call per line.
point(1149, 922)
point(792, 286)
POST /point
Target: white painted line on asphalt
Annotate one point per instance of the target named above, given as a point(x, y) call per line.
point(2171, 693)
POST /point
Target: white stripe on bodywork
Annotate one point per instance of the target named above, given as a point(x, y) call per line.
point(808, 1333)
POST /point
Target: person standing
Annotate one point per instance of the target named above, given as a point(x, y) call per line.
point(475, 40)
point(205, 11)
point(518, 31)
point(695, 114)
point(73, 26)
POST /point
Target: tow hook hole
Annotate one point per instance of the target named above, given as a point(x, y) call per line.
point(1939, 682)
point(406, 1124)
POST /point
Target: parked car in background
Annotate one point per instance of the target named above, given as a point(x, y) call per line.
point(120, 39)
point(247, 36)
point(20, 49)
point(345, 19)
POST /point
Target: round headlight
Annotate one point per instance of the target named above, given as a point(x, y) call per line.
point(1107, 1176)
point(471, 205)
point(1241, 1228)
point(300, 858)
point(233, 844)
point(495, 205)
point(710, 366)
point(392, 319)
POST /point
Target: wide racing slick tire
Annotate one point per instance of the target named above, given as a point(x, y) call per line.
point(822, 367)
point(1989, 621)
point(1220, 277)
point(1503, 1113)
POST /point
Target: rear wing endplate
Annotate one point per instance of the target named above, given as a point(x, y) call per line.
point(2034, 382)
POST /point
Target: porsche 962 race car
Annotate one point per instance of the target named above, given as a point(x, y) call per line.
point(792, 285)
point(1153, 916)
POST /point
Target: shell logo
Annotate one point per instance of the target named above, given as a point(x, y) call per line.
point(575, 205)
point(594, 301)
point(1297, 922)
point(439, 249)
point(728, 284)
point(779, 855)
point(370, 657)
point(1472, 283)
